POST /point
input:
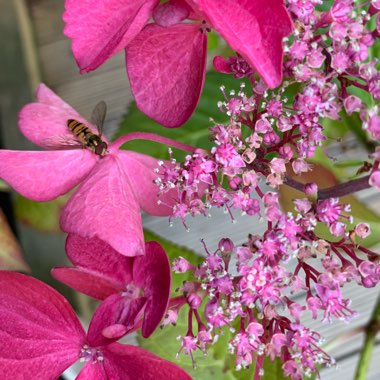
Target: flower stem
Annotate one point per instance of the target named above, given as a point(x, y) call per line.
point(372, 328)
point(153, 137)
point(336, 191)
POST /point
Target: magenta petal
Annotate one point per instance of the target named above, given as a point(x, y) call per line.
point(153, 273)
point(255, 30)
point(115, 311)
point(104, 206)
point(96, 255)
point(125, 362)
point(42, 176)
point(101, 28)
point(93, 371)
point(86, 282)
point(40, 335)
point(99, 270)
point(221, 65)
point(45, 123)
point(141, 176)
point(166, 68)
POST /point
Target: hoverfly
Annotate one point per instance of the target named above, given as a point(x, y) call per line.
point(85, 136)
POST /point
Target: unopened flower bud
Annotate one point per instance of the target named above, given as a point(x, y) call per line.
point(311, 189)
point(194, 301)
point(226, 245)
point(363, 230)
point(352, 104)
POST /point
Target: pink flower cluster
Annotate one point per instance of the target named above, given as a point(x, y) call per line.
point(249, 289)
point(262, 284)
point(266, 135)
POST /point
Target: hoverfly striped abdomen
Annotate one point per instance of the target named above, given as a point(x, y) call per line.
point(79, 130)
point(87, 138)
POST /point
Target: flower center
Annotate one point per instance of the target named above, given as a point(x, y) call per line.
point(88, 353)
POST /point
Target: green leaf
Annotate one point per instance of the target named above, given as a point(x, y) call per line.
point(43, 216)
point(194, 132)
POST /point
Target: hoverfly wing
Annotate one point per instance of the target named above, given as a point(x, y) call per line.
point(61, 143)
point(98, 116)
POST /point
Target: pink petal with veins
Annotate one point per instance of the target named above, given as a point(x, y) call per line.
point(112, 314)
point(124, 362)
point(255, 30)
point(141, 177)
point(104, 206)
point(101, 28)
point(166, 68)
point(42, 176)
point(99, 270)
point(45, 122)
point(93, 284)
point(40, 334)
point(96, 255)
point(153, 273)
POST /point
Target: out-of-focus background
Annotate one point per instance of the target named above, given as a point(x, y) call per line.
point(34, 50)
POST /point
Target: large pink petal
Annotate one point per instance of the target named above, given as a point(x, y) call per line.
point(45, 123)
point(166, 68)
point(96, 255)
point(141, 176)
point(104, 206)
point(99, 270)
point(153, 273)
point(101, 28)
point(42, 176)
point(254, 28)
point(115, 317)
point(125, 362)
point(87, 282)
point(40, 335)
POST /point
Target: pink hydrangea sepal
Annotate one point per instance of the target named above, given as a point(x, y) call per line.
point(142, 176)
point(43, 176)
point(96, 264)
point(124, 362)
point(153, 273)
point(104, 206)
point(90, 283)
point(101, 28)
point(99, 257)
point(255, 30)
point(166, 68)
point(115, 317)
point(40, 333)
point(45, 121)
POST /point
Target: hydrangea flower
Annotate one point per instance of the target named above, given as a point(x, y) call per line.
point(40, 336)
point(130, 286)
point(166, 60)
point(111, 191)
